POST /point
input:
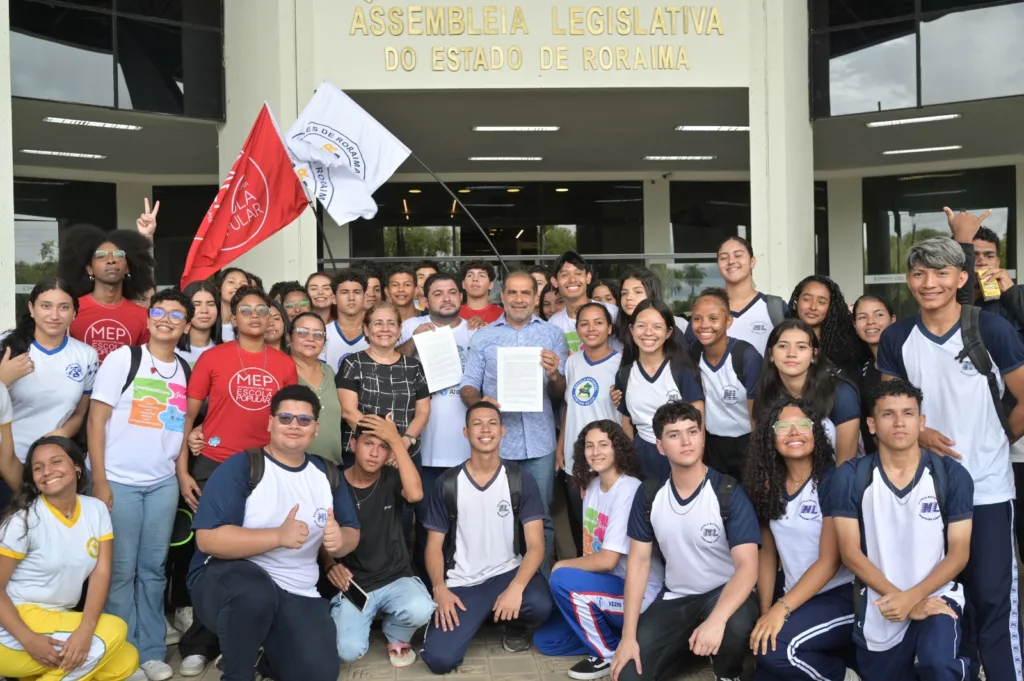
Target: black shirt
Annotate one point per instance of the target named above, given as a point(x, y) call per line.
point(382, 555)
point(870, 378)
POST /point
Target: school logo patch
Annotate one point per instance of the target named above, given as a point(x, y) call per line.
point(758, 327)
point(809, 510)
point(214, 441)
point(929, 509)
point(75, 372)
point(673, 396)
point(92, 547)
point(504, 508)
point(710, 533)
point(967, 368)
point(320, 517)
point(730, 394)
point(584, 393)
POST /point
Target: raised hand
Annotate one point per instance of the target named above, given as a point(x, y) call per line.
point(964, 225)
point(292, 533)
point(146, 224)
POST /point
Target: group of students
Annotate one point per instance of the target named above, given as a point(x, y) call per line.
point(241, 471)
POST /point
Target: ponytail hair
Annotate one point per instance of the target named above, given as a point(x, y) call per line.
point(20, 339)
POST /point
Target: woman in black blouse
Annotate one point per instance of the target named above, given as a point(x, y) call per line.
point(871, 316)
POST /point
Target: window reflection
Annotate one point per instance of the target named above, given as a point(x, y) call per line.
point(833, 13)
point(704, 214)
point(198, 12)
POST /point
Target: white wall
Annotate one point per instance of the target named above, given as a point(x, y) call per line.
point(846, 235)
point(7, 309)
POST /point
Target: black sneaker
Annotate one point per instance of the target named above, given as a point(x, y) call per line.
point(591, 668)
point(514, 639)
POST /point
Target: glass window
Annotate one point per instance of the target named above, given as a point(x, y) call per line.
point(956, 66)
point(182, 209)
point(871, 68)
point(832, 13)
point(704, 214)
point(946, 5)
point(197, 12)
point(821, 228)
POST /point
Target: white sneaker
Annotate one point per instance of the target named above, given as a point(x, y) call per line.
point(183, 619)
point(172, 636)
point(193, 665)
point(157, 670)
point(851, 675)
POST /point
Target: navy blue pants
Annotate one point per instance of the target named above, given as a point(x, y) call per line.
point(653, 463)
point(928, 652)
point(813, 641)
point(992, 627)
point(428, 476)
point(443, 650)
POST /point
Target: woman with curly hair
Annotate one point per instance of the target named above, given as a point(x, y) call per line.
point(818, 302)
point(588, 591)
point(788, 471)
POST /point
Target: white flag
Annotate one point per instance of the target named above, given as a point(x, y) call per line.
point(342, 154)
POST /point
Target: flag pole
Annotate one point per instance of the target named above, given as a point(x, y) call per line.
point(464, 209)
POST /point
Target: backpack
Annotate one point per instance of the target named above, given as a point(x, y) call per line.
point(977, 353)
point(136, 362)
point(738, 352)
point(257, 465)
point(451, 504)
point(726, 486)
point(777, 309)
point(675, 367)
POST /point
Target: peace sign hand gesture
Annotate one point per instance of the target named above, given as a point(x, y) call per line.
point(146, 224)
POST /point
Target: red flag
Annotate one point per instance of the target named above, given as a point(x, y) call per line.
point(261, 195)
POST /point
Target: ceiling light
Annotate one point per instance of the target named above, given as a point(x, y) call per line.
point(617, 200)
point(405, 207)
point(513, 190)
point(506, 158)
point(562, 190)
point(520, 233)
point(91, 124)
point(922, 150)
point(463, 191)
point(516, 128)
point(909, 121)
point(907, 178)
point(938, 193)
point(712, 128)
point(680, 158)
point(64, 154)
point(415, 191)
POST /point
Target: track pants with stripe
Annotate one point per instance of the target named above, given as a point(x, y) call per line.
point(813, 642)
point(928, 652)
point(587, 618)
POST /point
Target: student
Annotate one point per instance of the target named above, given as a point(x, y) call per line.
point(276, 335)
point(654, 369)
point(204, 332)
point(478, 282)
point(903, 518)
point(589, 378)
point(708, 607)
point(10, 467)
point(927, 350)
point(136, 425)
point(229, 281)
point(423, 271)
point(401, 291)
point(295, 300)
point(797, 370)
point(818, 302)
point(605, 291)
point(588, 591)
point(635, 287)
point(551, 302)
point(380, 567)
point(254, 577)
point(728, 396)
point(53, 538)
point(345, 334)
point(374, 282)
point(573, 276)
point(483, 567)
point(754, 313)
point(542, 276)
point(320, 287)
point(806, 631)
point(276, 290)
point(871, 316)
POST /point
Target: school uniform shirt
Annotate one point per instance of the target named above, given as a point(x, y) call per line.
point(384, 557)
point(870, 378)
point(568, 327)
point(694, 542)
point(644, 394)
point(45, 399)
point(957, 401)
point(224, 502)
point(147, 424)
point(192, 356)
point(227, 332)
point(337, 347)
point(488, 314)
point(725, 397)
point(239, 386)
point(845, 407)
point(587, 399)
point(55, 554)
point(442, 444)
point(903, 533)
point(6, 408)
point(484, 535)
point(109, 327)
point(753, 323)
point(605, 519)
point(798, 532)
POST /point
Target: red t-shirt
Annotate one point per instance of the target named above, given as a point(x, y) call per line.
point(489, 313)
point(239, 385)
point(108, 327)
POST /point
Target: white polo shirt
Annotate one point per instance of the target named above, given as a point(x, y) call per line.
point(587, 396)
point(725, 396)
point(644, 394)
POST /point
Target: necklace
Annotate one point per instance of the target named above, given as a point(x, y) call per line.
point(359, 502)
point(154, 370)
point(240, 361)
point(689, 507)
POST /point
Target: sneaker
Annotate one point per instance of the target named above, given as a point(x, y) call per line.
point(851, 675)
point(183, 619)
point(157, 670)
point(401, 654)
point(172, 636)
point(591, 668)
point(514, 639)
point(193, 665)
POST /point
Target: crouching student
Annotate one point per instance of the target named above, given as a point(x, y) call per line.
point(486, 543)
point(51, 539)
point(588, 591)
point(903, 517)
point(707, 532)
point(379, 567)
point(807, 632)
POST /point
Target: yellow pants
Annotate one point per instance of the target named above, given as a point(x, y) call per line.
point(110, 658)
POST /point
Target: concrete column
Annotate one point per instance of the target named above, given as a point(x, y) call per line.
point(781, 145)
point(1019, 221)
point(131, 202)
point(846, 235)
point(657, 219)
point(7, 250)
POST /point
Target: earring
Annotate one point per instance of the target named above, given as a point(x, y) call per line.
point(90, 278)
point(79, 475)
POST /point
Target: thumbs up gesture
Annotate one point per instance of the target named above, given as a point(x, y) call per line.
point(332, 534)
point(292, 533)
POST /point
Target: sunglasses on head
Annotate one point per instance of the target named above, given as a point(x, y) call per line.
point(285, 419)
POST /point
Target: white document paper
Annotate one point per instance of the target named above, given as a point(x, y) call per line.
point(520, 380)
point(439, 355)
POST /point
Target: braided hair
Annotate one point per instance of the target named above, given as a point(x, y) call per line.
point(839, 341)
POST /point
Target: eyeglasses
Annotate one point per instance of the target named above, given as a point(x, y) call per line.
point(304, 333)
point(297, 303)
point(260, 310)
point(174, 316)
point(285, 419)
point(102, 254)
point(782, 427)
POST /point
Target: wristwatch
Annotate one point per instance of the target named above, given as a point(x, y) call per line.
point(412, 439)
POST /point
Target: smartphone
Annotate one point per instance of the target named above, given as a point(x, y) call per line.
point(356, 596)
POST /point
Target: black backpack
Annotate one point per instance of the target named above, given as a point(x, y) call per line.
point(777, 309)
point(257, 465)
point(136, 362)
point(977, 353)
point(451, 503)
point(674, 366)
point(726, 486)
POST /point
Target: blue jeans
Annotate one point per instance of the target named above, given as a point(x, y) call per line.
point(406, 606)
point(143, 518)
point(543, 471)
